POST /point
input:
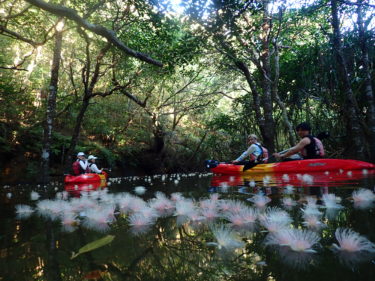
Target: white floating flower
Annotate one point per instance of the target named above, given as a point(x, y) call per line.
point(23, 211)
point(351, 241)
point(331, 201)
point(275, 219)
point(313, 222)
point(307, 179)
point(288, 202)
point(363, 195)
point(298, 240)
point(289, 189)
point(259, 200)
point(140, 190)
point(243, 217)
point(34, 196)
point(285, 178)
point(139, 220)
point(226, 238)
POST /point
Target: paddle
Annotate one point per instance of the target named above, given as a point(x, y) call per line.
point(281, 152)
point(320, 136)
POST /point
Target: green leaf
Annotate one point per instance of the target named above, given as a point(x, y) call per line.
point(94, 245)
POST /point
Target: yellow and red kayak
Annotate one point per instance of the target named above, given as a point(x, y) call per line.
point(321, 179)
point(86, 178)
point(296, 166)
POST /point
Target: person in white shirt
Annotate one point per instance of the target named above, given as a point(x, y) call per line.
point(254, 152)
point(93, 166)
point(81, 165)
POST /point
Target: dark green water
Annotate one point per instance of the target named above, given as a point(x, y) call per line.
point(38, 248)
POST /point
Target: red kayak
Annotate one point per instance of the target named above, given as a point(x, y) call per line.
point(86, 178)
point(328, 178)
point(297, 166)
point(75, 189)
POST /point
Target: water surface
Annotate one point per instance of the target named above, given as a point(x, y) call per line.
point(38, 247)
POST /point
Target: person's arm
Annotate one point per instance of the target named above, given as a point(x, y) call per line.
point(95, 169)
point(250, 150)
point(295, 149)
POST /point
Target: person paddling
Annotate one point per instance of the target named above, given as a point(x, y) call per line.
point(81, 165)
point(256, 152)
point(309, 147)
point(93, 166)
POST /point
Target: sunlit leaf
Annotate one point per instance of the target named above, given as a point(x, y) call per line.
point(94, 245)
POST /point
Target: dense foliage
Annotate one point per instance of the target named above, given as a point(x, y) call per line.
point(229, 68)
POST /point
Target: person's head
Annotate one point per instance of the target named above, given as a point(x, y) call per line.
point(252, 139)
point(303, 129)
point(81, 156)
point(92, 158)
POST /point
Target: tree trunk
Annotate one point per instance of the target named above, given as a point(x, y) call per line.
point(76, 131)
point(51, 107)
point(354, 133)
point(88, 94)
point(275, 91)
point(159, 134)
point(268, 131)
point(255, 94)
point(369, 94)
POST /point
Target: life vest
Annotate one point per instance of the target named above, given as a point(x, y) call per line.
point(314, 149)
point(263, 156)
point(77, 169)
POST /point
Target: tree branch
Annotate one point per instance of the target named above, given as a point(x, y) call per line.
point(15, 35)
point(18, 14)
point(356, 4)
point(13, 68)
point(97, 29)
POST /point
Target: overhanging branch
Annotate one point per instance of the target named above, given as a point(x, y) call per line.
point(97, 29)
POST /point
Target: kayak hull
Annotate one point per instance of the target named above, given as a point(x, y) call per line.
point(86, 178)
point(297, 166)
point(317, 179)
point(76, 189)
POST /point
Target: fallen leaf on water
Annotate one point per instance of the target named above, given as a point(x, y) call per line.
point(94, 245)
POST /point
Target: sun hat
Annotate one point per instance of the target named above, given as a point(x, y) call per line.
point(80, 154)
point(92, 157)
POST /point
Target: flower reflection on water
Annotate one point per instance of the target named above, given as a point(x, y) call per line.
point(167, 236)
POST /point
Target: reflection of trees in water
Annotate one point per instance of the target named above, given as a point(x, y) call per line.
point(52, 263)
point(171, 252)
point(176, 248)
point(354, 260)
point(296, 260)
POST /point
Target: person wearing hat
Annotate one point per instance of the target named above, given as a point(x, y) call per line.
point(93, 166)
point(81, 165)
point(309, 147)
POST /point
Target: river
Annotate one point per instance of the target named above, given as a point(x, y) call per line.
point(190, 228)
